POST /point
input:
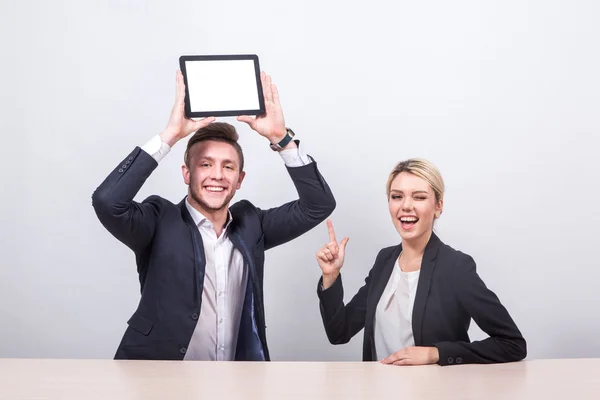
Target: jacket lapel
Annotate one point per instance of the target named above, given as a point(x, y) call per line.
point(199, 257)
point(423, 286)
point(379, 286)
point(239, 244)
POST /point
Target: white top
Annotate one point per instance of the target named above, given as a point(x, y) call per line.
point(224, 287)
point(225, 276)
point(393, 317)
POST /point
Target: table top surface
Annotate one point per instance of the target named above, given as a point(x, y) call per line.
point(115, 380)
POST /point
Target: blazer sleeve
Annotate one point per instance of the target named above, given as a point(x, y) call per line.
point(130, 222)
point(505, 342)
point(341, 321)
point(315, 203)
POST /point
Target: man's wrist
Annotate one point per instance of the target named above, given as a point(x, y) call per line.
point(291, 145)
point(156, 148)
point(280, 142)
point(169, 137)
point(278, 137)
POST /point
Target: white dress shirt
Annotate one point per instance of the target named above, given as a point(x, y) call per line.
point(393, 316)
point(225, 276)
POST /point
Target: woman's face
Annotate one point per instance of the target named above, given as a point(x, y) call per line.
point(413, 207)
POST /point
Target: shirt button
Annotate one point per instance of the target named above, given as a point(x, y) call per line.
point(450, 360)
point(121, 170)
point(459, 360)
point(182, 350)
point(194, 316)
point(221, 320)
point(221, 347)
point(220, 293)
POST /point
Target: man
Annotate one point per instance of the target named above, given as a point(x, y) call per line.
point(200, 262)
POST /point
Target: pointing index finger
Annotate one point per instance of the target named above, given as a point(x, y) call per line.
point(331, 231)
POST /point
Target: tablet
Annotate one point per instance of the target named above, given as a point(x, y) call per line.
point(221, 86)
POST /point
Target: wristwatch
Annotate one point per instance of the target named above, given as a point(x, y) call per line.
point(289, 135)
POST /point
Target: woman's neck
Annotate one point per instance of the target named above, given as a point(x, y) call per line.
point(415, 248)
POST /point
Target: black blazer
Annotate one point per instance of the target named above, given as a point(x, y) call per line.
point(170, 256)
point(449, 294)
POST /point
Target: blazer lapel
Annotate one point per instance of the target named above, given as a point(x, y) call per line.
point(386, 271)
point(239, 244)
point(423, 286)
point(198, 246)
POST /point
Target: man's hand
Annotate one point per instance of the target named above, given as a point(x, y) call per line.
point(271, 124)
point(413, 355)
point(179, 126)
point(331, 257)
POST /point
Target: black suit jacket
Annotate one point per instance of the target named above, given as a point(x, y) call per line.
point(449, 294)
point(170, 256)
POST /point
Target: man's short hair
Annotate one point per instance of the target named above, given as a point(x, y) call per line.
point(219, 132)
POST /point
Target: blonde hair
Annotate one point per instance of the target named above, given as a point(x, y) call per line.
point(423, 169)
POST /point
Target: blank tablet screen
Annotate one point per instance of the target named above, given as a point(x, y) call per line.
point(222, 85)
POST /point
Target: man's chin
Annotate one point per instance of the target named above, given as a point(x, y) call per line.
point(211, 206)
point(217, 205)
point(214, 206)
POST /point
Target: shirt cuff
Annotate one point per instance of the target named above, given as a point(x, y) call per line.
point(295, 157)
point(156, 148)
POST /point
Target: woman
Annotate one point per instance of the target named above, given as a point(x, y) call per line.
point(419, 297)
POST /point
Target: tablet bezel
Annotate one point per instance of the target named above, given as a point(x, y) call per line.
point(222, 113)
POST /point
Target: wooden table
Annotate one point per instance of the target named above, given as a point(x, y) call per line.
point(570, 379)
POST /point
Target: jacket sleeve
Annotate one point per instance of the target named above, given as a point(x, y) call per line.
point(315, 203)
point(130, 222)
point(341, 321)
point(505, 342)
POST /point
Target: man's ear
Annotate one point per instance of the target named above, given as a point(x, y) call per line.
point(242, 176)
point(185, 171)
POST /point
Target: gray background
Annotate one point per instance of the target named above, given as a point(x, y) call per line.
point(501, 95)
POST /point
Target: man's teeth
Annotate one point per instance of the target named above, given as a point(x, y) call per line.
point(214, 189)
